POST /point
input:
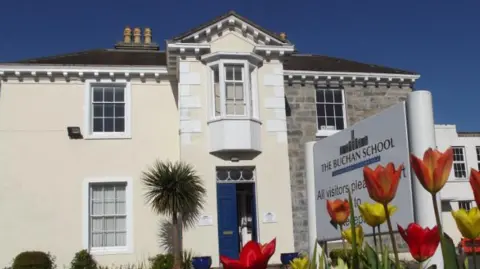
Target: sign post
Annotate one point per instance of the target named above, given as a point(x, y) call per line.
point(335, 164)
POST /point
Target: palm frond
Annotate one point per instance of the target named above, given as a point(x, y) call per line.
point(175, 188)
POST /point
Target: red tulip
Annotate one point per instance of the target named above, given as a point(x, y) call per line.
point(475, 183)
point(433, 171)
point(382, 183)
point(339, 210)
point(252, 256)
point(422, 242)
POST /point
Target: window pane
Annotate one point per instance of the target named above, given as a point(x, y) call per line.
point(97, 110)
point(337, 96)
point(108, 125)
point(215, 76)
point(238, 72)
point(97, 94)
point(239, 109)
point(320, 110)
point(97, 208)
point(121, 239)
point(339, 123)
point(119, 125)
point(98, 125)
point(338, 110)
point(321, 122)
point(97, 224)
point(119, 110)
point(119, 95)
point(108, 94)
point(329, 110)
point(120, 224)
point(109, 224)
point(97, 239)
point(320, 96)
point(229, 72)
point(329, 96)
point(108, 110)
point(331, 122)
point(120, 208)
point(110, 239)
point(230, 109)
point(239, 92)
point(230, 91)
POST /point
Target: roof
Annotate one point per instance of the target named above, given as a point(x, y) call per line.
point(301, 62)
point(224, 16)
point(308, 62)
point(104, 57)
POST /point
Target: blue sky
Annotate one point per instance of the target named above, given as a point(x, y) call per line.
point(438, 39)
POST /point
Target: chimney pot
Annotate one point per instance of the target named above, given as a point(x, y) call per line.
point(127, 35)
point(147, 33)
point(283, 36)
point(137, 33)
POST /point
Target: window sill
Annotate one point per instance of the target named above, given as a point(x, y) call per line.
point(233, 119)
point(326, 132)
point(101, 136)
point(110, 251)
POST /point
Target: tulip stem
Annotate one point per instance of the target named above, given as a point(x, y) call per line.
point(474, 254)
point(380, 238)
point(375, 239)
point(343, 241)
point(439, 223)
point(392, 237)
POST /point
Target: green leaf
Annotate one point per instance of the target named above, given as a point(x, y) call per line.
point(465, 263)
point(372, 257)
point(313, 262)
point(450, 260)
point(355, 263)
point(385, 258)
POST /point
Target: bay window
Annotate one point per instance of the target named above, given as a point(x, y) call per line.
point(233, 89)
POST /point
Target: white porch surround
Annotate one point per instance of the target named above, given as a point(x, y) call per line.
point(188, 102)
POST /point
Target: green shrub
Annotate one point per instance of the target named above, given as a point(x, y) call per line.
point(34, 260)
point(162, 261)
point(346, 256)
point(187, 259)
point(83, 260)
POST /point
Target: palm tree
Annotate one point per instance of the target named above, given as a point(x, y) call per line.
point(174, 189)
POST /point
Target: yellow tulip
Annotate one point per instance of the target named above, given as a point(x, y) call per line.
point(468, 222)
point(374, 214)
point(347, 235)
point(299, 263)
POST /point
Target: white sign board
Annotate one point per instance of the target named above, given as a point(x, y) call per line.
point(205, 220)
point(339, 160)
point(269, 217)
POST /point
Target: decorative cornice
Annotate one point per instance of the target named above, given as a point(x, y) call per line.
point(21, 71)
point(268, 50)
point(251, 57)
point(301, 76)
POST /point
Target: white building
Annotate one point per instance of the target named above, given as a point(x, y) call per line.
point(457, 193)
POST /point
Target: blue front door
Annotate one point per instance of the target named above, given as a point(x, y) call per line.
point(228, 240)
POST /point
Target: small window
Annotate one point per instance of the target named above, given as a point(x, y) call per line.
point(467, 205)
point(459, 163)
point(108, 110)
point(108, 215)
point(330, 109)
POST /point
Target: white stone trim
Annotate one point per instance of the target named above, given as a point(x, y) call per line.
point(294, 75)
point(87, 125)
point(41, 70)
point(249, 56)
point(129, 210)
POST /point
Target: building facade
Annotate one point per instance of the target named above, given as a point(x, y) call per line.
point(457, 192)
point(229, 97)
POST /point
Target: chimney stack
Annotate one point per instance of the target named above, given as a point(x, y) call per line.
point(147, 33)
point(137, 34)
point(127, 35)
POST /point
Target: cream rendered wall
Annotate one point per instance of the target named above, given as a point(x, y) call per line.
point(42, 170)
point(456, 189)
point(272, 166)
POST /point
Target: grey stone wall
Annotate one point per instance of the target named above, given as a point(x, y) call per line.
point(361, 102)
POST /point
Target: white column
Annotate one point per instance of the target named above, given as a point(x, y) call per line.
point(311, 196)
point(421, 133)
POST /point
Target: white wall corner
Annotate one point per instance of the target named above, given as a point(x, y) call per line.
point(282, 137)
point(275, 102)
point(192, 78)
point(184, 114)
point(184, 90)
point(276, 125)
point(279, 91)
point(190, 126)
point(184, 67)
point(273, 80)
point(185, 139)
point(190, 102)
point(280, 114)
point(278, 71)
